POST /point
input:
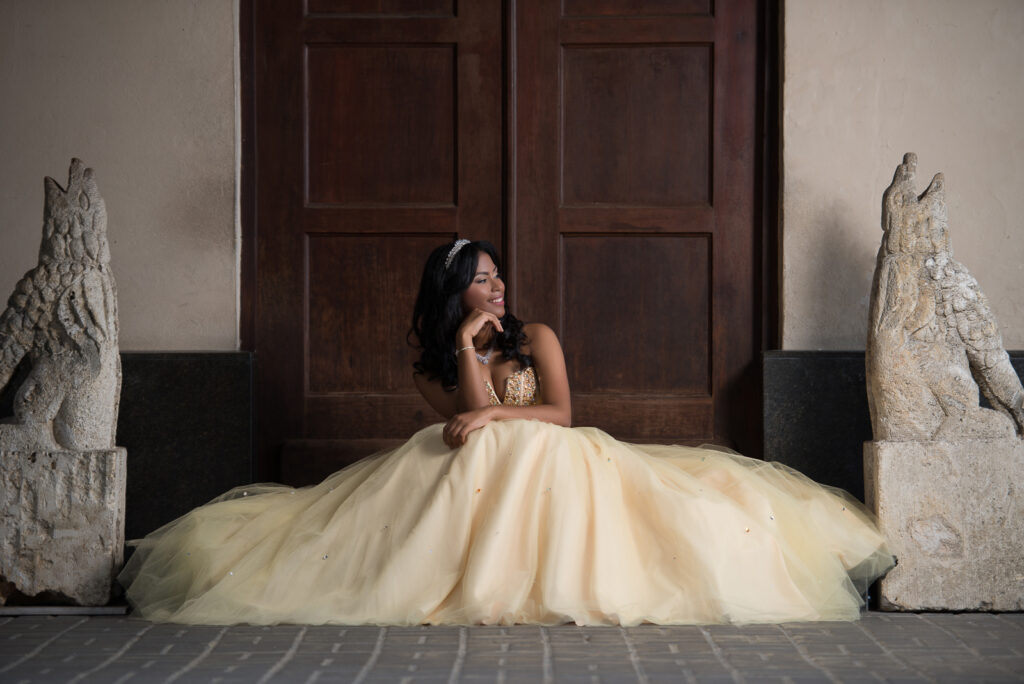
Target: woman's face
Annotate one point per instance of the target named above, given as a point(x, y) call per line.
point(486, 291)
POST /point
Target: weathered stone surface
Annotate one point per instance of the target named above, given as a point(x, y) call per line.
point(953, 514)
point(931, 332)
point(61, 524)
point(62, 318)
point(61, 478)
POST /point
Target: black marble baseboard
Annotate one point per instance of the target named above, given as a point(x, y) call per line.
point(816, 415)
point(186, 420)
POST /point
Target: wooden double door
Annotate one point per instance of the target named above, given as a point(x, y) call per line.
point(609, 148)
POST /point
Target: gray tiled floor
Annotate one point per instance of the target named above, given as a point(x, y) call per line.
point(931, 647)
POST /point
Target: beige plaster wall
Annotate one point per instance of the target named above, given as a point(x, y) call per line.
point(143, 91)
point(864, 82)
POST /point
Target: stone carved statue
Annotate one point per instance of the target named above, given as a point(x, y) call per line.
point(63, 318)
point(62, 480)
point(932, 338)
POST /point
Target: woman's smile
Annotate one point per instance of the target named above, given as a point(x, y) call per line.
point(498, 303)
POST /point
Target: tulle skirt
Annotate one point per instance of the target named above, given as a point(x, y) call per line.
point(527, 523)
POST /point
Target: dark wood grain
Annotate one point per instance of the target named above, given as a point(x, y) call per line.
point(664, 30)
point(361, 415)
point(636, 125)
point(621, 123)
point(646, 417)
point(376, 140)
point(626, 219)
point(247, 195)
point(737, 312)
point(277, 85)
point(381, 124)
point(635, 7)
point(360, 293)
point(658, 342)
point(613, 151)
point(381, 7)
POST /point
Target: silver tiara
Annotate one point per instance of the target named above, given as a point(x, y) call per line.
point(459, 244)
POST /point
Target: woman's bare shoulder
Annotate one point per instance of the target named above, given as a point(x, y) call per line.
point(542, 342)
point(539, 332)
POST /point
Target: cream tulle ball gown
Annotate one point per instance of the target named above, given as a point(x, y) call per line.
point(527, 523)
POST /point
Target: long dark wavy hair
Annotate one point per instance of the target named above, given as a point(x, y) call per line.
point(439, 312)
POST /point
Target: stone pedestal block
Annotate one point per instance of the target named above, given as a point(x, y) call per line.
point(954, 514)
point(61, 524)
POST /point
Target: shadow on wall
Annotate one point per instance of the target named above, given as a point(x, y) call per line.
point(839, 282)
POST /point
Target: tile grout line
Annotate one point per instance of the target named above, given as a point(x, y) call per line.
point(807, 656)
point(999, 616)
point(117, 654)
point(673, 649)
point(286, 658)
point(634, 657)
point(35, 651)
point(125, 677)
point(970, 649)
point(377, 648)
point(549, 665)
point(888, 652)
point(717, 650)
point(460, 657)
point(199, 658)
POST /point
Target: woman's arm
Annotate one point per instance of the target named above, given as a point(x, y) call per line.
point(471, 392)
point(445, 403)
point(556, 406)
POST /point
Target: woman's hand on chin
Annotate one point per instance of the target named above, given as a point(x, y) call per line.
point(474, 322)
point(458, 427)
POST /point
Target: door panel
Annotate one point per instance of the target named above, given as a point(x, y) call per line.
point(381, 124)
point(634, 207)
point(636, 125)
point(666, 278)
point(378, 136)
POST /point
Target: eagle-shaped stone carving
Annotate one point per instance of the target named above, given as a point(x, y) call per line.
point(62, 318)
point(932, 337)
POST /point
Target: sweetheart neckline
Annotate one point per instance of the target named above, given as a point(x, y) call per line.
point(501, 399)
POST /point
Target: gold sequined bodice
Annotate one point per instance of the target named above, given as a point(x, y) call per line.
point(520, 389)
